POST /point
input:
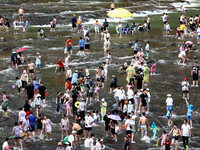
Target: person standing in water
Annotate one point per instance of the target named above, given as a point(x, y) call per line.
point(21, 14)
point(31, 69)
point(74, 23)
point(148, 23)
point(15, 26)
point(112, 6)
point(175, 131)
point(185, 133)
point(38, 62)
point(142, 122)
point(195, 74)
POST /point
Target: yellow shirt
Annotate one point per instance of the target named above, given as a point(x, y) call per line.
point(182, 27)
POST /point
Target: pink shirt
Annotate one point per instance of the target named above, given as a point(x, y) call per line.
point(67, 104)
point(96, 90)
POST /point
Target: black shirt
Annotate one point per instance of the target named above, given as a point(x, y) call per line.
point(42, 89)
point(107, 120)
point(74, 97)
point(27, 107)
point(195, 70)
point(74, 20)
point(144, 98)
point(29, 88)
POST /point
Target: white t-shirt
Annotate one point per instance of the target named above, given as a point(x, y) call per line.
point(69, 72)
point(185, 129)
point(130, 108)
point(121, 94)
point(147, 47)
point(127, 123)
point(130, 94)
point(98, 146)
point(164, 18)
point(106, 36)
point(106, 44)
point(26, 125)
point(169, 101)
point(5, 144)
point(116, 91)
point(22, 115)
point(87, 72)
point(181, 54)
point(198, 31)
point(88, 120)
point(71, 139)
point(132, 121)
point(149, 97)
point(67, 59)
point(185, 85)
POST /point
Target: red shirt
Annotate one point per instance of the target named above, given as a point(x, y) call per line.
point(60, 63)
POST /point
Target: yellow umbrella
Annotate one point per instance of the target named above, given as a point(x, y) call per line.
point(120, 13)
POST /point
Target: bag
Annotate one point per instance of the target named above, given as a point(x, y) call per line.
point(124, 126)
point(94, 141)
point(79, 22)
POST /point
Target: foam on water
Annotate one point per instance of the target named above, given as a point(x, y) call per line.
point(146, 139)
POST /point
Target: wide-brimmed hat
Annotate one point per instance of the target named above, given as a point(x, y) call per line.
point(103, 99)
point(59, 143)
point(38, 95)
point(169, 95)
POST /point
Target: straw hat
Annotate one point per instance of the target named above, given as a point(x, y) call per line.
point(38, 95)
point(59, 143)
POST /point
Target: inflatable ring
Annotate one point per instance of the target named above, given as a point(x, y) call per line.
point(117, 29)
point(77, 104)
point(65, 139)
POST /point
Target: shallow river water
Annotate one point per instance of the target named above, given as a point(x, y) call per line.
point(163, 51)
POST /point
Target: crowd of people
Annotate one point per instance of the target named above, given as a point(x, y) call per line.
point(131, 100)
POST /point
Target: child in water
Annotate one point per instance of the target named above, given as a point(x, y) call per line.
point(67, 104)
point(152, 69)
point(4, 96)
point(163, 137)
point(96, 91)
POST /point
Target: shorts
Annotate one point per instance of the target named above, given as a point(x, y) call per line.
point(189, 46)
point(28, 113)
point(37, 66)
point(88, 128)
point(112, 131)
point(135, 51)
point(21, 15)
point(1, 24)
point(42, 96)
point(107, 127)
point(185, 92)
point(102, 79)
point(167, 30)
point(18, 138)
point(175, 138)
point(31, 71)
point(79, 132)
point(54, 26)
point(39, 126)
point(69, 48)
point(37, 106)
point(14, 62)
point(195, 77)
point(131, 100)
point(88, 77)
point(73, 25)
point(120, 31)
point(87, 46)
point(189, 117)
point(198, 37)
point(89, 94)
point(132, 127)
point(128, 132)
point(144, 104)
point(182, 31)
point(116, 98)
point(79, 27)
point(32, 129)
point(30, 95)
point(144, 128)
point(81, 48)
point(170, 108)
point(179, 35)
point(113, 85)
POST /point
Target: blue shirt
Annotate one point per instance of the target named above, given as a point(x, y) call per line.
point(135, 47)
point(36, 84)
point(27, 23)
point(81, 42)
point(189, 112)
point(32, 120)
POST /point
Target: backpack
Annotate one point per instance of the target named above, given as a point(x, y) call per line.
point(94, 141)
point(79, 22)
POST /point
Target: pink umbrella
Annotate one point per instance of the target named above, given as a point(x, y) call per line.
point(21, 49)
